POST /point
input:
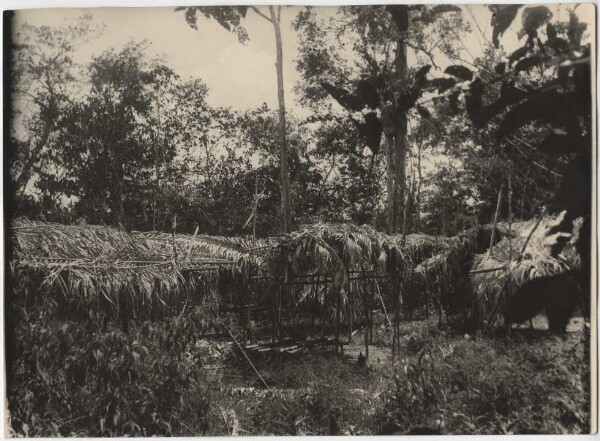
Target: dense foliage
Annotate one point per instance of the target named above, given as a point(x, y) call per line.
point(76, 379)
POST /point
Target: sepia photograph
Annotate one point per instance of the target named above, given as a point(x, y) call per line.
point(300, 220)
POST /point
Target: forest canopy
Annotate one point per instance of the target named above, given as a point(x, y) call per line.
point(122, 138)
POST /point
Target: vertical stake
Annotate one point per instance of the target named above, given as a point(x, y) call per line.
point(510, 252)
point(337, 318)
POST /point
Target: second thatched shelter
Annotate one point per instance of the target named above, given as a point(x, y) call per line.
point(516, 259)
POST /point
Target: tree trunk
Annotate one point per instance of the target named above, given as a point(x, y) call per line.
point(401, 143)
point(286, 211)
point(397, 149)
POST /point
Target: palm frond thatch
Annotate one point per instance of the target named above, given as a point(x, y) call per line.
point(329, 246)
point(243, 251)
point(103, 259)
point(446, 268)
point(499, 272)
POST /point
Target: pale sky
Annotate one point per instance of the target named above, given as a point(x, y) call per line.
point(240, 76)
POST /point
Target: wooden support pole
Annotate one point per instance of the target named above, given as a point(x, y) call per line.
point(397, 312)
point(510, 255)
point(324, 310)
point(279, 313)
point(249, 314)
point(273, 316)
point(496, 214)
point(316, 303)
point(370, 334)
point(439, 305)
point(337, 317)
point(366, 333)
point(349, 319)
point(397, 317)
point(394, 330)
point(349, 307)
point(427, 301)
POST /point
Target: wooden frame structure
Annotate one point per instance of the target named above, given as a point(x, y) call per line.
point(282, 293)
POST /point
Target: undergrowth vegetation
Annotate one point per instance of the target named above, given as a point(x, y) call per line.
point(493, 386)
point(75, 379)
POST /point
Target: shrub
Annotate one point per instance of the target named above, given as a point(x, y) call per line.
point(72, 379)
point(492, 386)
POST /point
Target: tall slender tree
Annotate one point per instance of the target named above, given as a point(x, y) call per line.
point(230, 18)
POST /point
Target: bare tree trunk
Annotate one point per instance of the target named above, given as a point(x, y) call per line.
point(400, 185)
point(397, 152)
point(401, 130)
point(286, 210)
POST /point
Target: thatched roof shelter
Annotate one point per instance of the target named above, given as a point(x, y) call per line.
point(332, 246)
point(106, 259)
point(423, 246)
point(101, 259)
point(515, 260)
point(358, 246)
point(446, 267)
